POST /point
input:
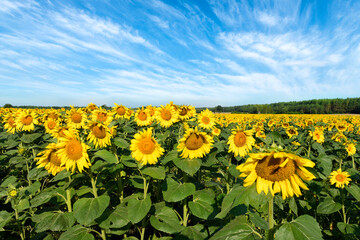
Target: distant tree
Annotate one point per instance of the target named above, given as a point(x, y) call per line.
point(8, 105)
point(218, 108)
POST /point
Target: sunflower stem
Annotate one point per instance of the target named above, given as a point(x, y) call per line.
point(353, 161)
point(270, 234)
point(309, 150)
point(68, 200)
point(93, 183)
point(343, 204)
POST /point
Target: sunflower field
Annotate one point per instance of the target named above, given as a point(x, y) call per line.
point(170, 173)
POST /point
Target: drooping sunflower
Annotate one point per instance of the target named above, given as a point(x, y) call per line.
point(240, 141)
point(339, 178)
point(26, 120)
point(9, 123)
point(73, 152)
point(195, 144)
point(166, 116)
point(99, 134)
point(276, 172)
point(76, 118)
point(119, 111)
point(142, 117)
point(102, 115)
point(206, 119)
point(186, 112)
point(50, 160)
point(144, 148)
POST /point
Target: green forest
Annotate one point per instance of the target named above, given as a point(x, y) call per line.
point(316, 106)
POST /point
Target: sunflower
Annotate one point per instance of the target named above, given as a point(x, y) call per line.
point(240, 142)
point(167, 115)
point(129, 113)
point(72, 152)
point(186, 112)
point(206, 119)
point(195, 144)
point(50, 160)
point(144, 148)
point(291, 131)
point(119, 111)
point(76, 118)
point(58, 131)
point(350, 148)
point(317, 135)
point(26, 120)
point(9, 123)
point(102, 115)
point(339, 178)
point(341, 126)
point(142, 117)
point(91, 107)
point(216, 131)
point(276, 172)
point(99, 134)
point(50, 125)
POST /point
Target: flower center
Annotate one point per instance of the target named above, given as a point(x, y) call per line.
point(147, 145)
point(183, 111)
point(99, 132)
point(76, 117)
point(74, 149)
point(27, 120)
point(142, 116)
point(194, 141)
point(53, 116)
point(120, 111)
point(102, 117)
point(166, 115)
point(51, 124)
point(340, 178)
point(205, 120)
point(240, 139)
point(11, 122)
point(269, 169)
point(53, 158)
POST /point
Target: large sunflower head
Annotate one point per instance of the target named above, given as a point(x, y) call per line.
point(26, 120)
point(50, 160)
point(119, 111)
point(144, 148)
point(167, 115)
point(99, 134)
point(317, 135)
point(240, 141)
point(195, 144)
point(9, 123)
point(340, 178)
point(206, 119)
point(276, 172)
point(102, 116)
point(73, 152)
point(186, 112)
point(50, 125)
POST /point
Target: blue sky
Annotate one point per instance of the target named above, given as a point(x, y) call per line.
point(197, 52)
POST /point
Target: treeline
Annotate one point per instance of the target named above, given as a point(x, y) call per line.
point(316, 106)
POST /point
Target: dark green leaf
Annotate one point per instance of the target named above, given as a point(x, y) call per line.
point(328, 206)
point(77, 232)
point(58, 221)
point(293, 206)
point(349, 229)
point(202, 204)
point(354, 190)
point(86, 210)
point(106, 155)
point(5, 217)
point(29, 138)
point(138, 209)
point(40, 199)
point(121, 143)
point(174, 191)
point(165, 219)
point(155, 172)
point(197, 232)
point(117, 219)
point(190, 166)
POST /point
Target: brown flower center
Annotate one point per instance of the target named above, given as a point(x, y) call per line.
point(76, 117)
point(102, 117)
point(142, 116)
point(165, 114)
point(268, 168)
point(99, 132)
point(340, 178)
point(27, 120)
point(121, 111)
point(195, 141)
point(11, 122)
point(205, 120)
point(74, 149)
point(147, 145)
point(183, 111)
point(51, 124)
point(239, 139)
point(53, 158)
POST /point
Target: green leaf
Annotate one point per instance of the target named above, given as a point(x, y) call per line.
point(165, 219)
point(58, 221)
point(235, 230)
point(33, 188)
point(40, 199)
point(5, 217)
point(138, 209)
point(190, 166)
point(29, 138)
point(175, 192)
point(303, 227)
point(86, 210)
point(128, 161)
point(155, 172)
point(349, 229)
point(77, 232)
point(325, 164)
point(328, 206)
point(61, 175)
point(9, 181)
point(171, 156)
point(202, 204)
point(106, 155)
point(121, 143)
point(258, 221)
point(117, 219)
point(197, 232)
point(354, 190)
point(37, 173)
point(293, 206)
point(318, 147)
point(23, 204)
